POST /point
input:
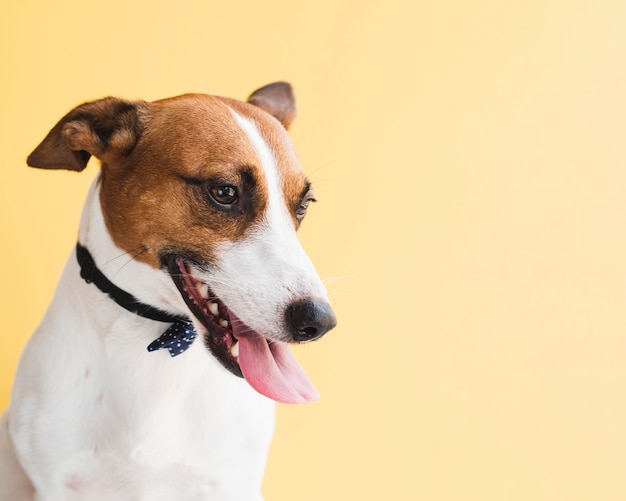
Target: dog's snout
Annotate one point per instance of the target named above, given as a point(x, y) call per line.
point(309, 320)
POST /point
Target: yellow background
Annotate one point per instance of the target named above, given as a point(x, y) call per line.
point(469, 159)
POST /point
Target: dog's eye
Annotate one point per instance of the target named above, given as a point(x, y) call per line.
point(304, 205)
point(224, 194)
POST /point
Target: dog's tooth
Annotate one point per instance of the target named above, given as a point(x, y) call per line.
point(214, 309)
point(203, 289)
point(234, 349)
point(223, 323)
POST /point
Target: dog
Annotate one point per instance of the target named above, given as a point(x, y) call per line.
point(189, 231)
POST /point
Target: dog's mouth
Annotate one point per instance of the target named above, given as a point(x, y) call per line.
point(268, 365)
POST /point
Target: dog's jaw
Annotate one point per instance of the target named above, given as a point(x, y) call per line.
point(268, 365)
point(209, 310)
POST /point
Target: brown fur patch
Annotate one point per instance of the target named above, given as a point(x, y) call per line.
point(156, 199)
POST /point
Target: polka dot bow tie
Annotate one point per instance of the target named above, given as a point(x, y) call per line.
point(176, 339)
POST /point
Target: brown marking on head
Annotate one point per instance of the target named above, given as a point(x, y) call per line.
point(160, 161)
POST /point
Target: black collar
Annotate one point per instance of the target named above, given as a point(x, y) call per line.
point(179, 335)
point(90, 272)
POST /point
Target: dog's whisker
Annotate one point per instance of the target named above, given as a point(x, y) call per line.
point(321, 167)
point(131, 252)
point(332, 280)
point(130, 260)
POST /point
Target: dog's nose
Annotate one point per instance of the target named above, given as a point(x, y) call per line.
point(310, 320)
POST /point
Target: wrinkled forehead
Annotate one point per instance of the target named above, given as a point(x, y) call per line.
point(224, 133)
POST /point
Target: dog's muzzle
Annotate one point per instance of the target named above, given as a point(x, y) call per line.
point(266, 363)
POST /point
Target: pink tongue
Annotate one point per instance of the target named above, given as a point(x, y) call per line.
point(273, 371)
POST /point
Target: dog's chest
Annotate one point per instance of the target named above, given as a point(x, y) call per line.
point(128, 424)
point(181, 424)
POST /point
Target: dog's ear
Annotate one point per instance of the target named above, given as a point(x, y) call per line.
point(276, 99)
point(107, 129)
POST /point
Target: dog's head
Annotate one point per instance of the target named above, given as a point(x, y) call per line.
point(210, 190)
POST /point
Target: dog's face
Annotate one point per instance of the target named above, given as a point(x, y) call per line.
point(209, 190)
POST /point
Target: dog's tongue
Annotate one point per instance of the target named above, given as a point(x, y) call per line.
point(272, 370)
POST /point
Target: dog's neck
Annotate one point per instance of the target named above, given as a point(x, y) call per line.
point(180, 333)
point(90, 272)
point(150, 286)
